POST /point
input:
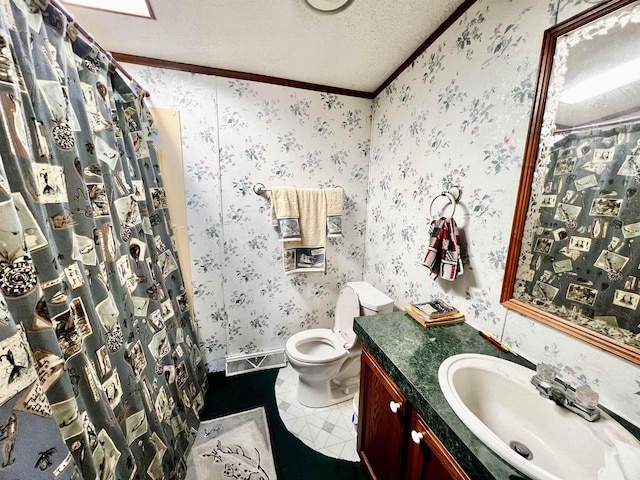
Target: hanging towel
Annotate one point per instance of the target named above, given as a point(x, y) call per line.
point(451, 263)
point(334, 211)
point(443, 253)
point(285, 216)
point(308, 254)
point(621, 462)
point(431, 258)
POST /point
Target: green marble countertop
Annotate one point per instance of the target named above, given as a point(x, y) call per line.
point(411, 354)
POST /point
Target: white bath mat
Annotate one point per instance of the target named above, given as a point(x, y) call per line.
point(237, 446)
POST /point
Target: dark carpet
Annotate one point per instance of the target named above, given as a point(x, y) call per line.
point(293, 459)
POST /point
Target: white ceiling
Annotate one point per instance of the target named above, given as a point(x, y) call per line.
point(356, 49)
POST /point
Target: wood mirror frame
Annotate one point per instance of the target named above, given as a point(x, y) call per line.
point(625, 349)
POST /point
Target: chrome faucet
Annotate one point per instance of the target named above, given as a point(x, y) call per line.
point(583, 401)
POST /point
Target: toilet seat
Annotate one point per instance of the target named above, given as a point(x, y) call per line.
point(316, 346)
point(319, 346)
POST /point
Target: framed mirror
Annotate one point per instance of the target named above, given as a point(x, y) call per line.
point(574, 255)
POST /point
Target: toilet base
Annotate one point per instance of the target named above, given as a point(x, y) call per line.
point(325, 385)
point(324, 393)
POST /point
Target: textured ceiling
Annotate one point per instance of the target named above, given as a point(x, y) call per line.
point(356, 49)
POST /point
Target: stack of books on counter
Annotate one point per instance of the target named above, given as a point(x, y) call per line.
point(435, 312)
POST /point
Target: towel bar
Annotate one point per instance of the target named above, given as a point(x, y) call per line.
point(260, 189)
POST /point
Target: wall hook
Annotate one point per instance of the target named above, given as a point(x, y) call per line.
point(455, 192)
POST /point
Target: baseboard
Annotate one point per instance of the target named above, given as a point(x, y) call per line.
point(251, 362)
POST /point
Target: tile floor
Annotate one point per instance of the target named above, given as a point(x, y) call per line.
point(328, 430)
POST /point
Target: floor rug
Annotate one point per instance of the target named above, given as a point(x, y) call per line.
point(293, 459)
point(237, 446)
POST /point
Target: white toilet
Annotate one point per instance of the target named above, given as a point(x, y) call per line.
point(326, 360)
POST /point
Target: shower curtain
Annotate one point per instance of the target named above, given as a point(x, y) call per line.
point(101, 375)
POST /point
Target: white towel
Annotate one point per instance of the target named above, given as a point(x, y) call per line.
point(285, 214)
point(621, 462)
point(334, 211)
point(308, 254)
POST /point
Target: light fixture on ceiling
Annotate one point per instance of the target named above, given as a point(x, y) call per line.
point(604, 82)
point(327, 6)
point(137, 8)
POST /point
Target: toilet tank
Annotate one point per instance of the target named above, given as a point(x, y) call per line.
point(372, 301)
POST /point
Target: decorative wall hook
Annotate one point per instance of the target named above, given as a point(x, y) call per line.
point(455, 192)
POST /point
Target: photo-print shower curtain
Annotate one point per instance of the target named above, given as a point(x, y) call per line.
point(101, 375)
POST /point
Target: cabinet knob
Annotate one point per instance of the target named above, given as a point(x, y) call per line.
point(416, 437)
point(394, 406)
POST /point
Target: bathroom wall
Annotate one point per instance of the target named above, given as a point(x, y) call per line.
point(459, 116)
point(236, 134)
point(285, 136)
point(195, 98)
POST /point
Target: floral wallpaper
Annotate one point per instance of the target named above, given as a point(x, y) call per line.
point(458, 115)
point(236, 134)
point(194, 97)
point(284, 136)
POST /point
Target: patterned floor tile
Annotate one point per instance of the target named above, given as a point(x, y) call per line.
point(329, 430)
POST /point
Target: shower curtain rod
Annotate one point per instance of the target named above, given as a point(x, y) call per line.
point(112, 61)
point(590, 126)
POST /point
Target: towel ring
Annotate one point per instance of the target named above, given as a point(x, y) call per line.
point(451, 199)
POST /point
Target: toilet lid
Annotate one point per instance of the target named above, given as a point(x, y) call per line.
point(347, 308)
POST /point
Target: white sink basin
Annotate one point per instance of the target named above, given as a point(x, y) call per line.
point(496, 401)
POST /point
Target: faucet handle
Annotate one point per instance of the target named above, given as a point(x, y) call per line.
point(546, 373)
point(586, 397)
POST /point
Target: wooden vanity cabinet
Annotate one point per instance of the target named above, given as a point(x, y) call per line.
point(427, 458)
point(394, 442)
point(382, 419)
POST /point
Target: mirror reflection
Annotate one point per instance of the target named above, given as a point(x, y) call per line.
point(602, 79)
point(579, 260)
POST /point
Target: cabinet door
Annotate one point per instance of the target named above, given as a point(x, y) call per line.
point(427, 458)
point(381, 422)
